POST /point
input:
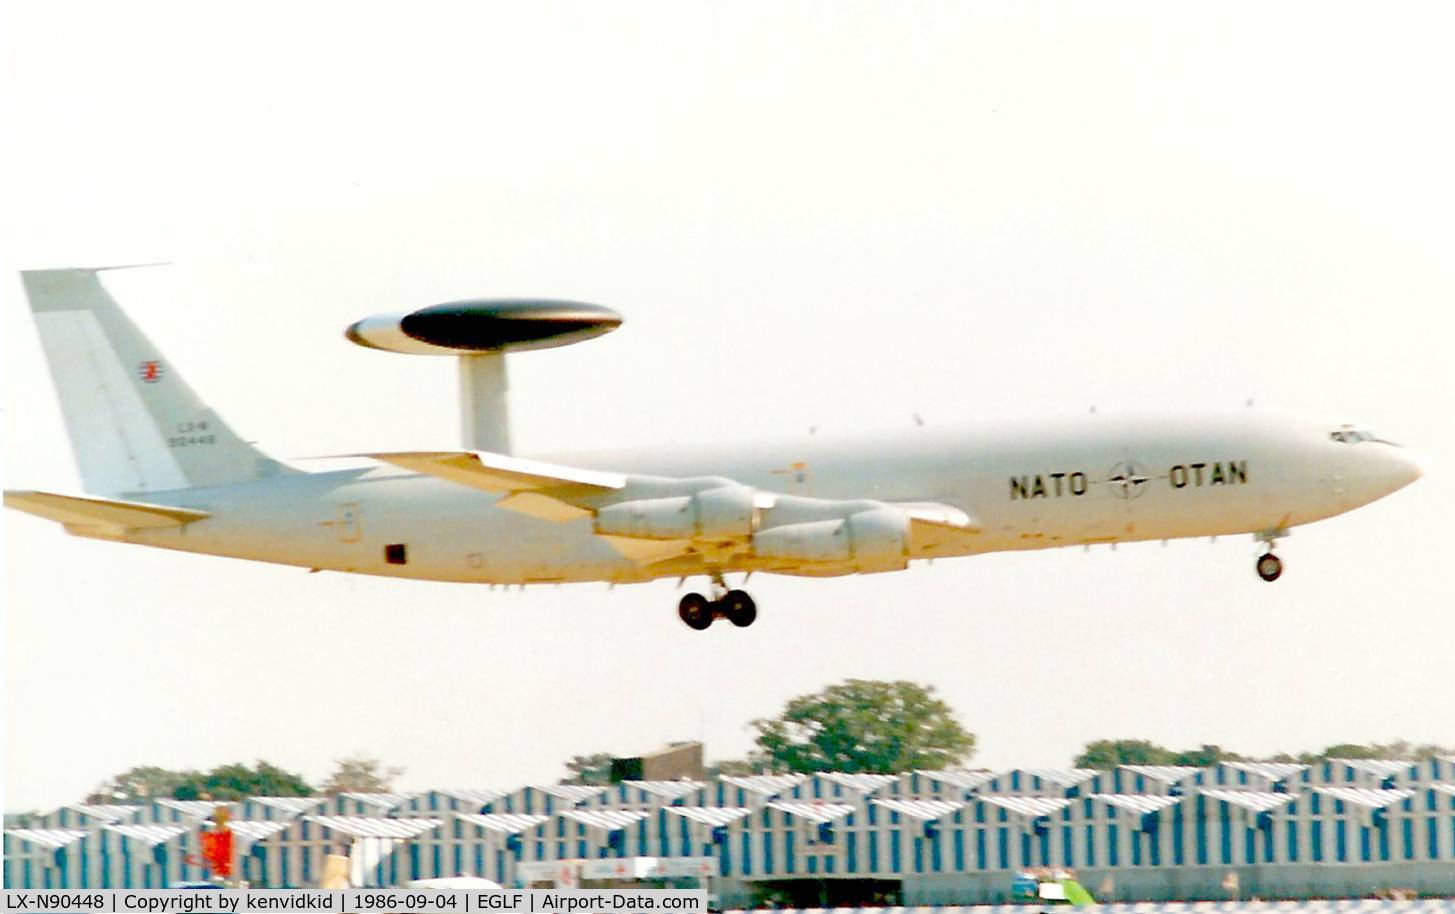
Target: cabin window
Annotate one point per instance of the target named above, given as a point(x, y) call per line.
point(396, 554)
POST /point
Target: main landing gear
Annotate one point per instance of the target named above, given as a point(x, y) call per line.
point(1269, 566)
point(733, 605)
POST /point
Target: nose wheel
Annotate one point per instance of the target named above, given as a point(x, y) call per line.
point(1269, 567)
point(736, 606)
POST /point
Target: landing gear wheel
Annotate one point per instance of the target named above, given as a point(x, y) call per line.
point(739, 608)
point(695, 611)
point(1269, 566)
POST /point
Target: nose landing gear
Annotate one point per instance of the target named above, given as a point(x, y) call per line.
point(736, 606)
point(1269, 566)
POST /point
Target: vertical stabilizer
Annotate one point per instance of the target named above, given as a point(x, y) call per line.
point(135, 425)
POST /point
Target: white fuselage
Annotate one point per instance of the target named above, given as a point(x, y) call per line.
point(1096, 479)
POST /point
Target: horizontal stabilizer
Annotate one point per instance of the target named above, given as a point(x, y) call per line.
point(102, 515)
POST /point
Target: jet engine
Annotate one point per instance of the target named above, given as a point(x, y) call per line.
point(873, 540)
point(723, 513)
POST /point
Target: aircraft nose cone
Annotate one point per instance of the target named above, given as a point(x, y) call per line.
point(1400, 467)
point(1413, 467)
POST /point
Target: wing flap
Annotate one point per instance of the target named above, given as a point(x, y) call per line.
point(107, 513)
point(934, 527)
point(937, 514)
point(543, 506)
point(645, 552)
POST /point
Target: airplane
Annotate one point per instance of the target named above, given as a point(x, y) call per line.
point(159, 468)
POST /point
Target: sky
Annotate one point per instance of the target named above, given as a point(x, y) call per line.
point(813, 215)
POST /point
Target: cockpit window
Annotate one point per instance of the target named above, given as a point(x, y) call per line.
point(1351, 435)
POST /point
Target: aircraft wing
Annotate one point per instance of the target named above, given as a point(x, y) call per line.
point(533, 487)
point(651, 519)
point(99, 515)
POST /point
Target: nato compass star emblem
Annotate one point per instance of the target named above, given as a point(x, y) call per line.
point(1128, 479)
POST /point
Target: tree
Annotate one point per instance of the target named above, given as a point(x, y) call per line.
point(1207, 756)
point(589, 769)
point(141, 784)
point(1346, 750)
point(360, 774)
point(1106, 754)
point(236, 781)
point(864, 725)
point(1399, 749)
point(733, 767)
point(271, 781)
point(225, 782)
point(1426, 751)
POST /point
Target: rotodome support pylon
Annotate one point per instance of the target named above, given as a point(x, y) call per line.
point(479, 332)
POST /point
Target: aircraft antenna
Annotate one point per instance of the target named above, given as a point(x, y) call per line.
point(479, 333)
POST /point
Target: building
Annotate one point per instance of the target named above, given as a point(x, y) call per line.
point(1338, 828)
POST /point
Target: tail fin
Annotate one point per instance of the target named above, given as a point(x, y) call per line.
point(135, 425)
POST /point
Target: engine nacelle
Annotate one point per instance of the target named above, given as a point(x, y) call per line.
point(715, 514)
point(873, 540)
point(816, 541)
point(729, 512)
point(881, 539)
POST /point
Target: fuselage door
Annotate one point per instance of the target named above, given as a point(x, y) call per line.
point(347, 523)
